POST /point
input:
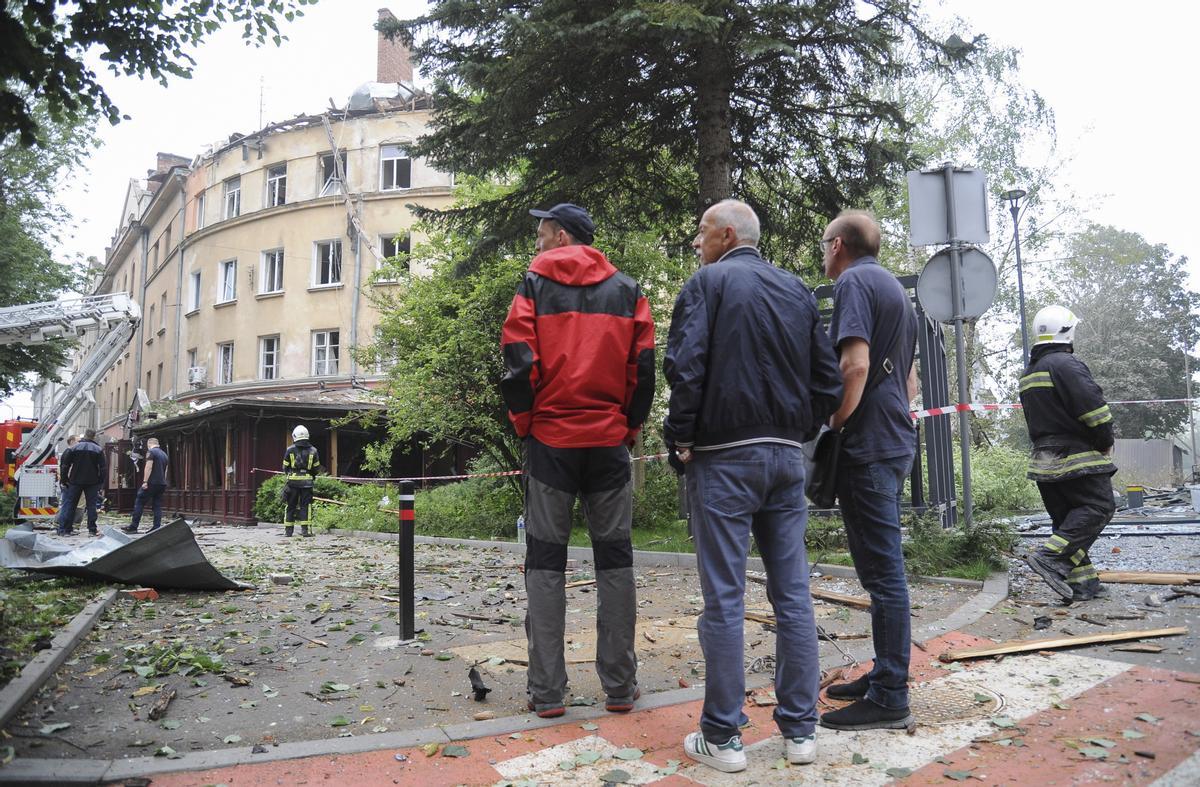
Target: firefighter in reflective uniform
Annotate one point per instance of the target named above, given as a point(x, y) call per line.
point(299, 468)
point(1070, 427)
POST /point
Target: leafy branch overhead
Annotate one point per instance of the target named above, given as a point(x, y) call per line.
point(45, 43)
point(646, 112)
point(33, 225)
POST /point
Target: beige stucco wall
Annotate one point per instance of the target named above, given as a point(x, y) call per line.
point(306, 219)
point(144, 262)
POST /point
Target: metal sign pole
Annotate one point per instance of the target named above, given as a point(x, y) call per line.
point(960, 349)
point(408, 618)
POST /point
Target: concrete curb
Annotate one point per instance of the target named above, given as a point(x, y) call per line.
point(77, 771)
point(42, 666)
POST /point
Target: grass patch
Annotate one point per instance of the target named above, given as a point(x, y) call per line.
point(487, 509)
point(657, 537)
point(970, 553)
point(32, 611)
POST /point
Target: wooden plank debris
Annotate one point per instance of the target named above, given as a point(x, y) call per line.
point(769, 620)
point(1029, 645)
point(841, 598)
point(1148, 578)
point(857, 602)
point(322, 643)
point(159, 709)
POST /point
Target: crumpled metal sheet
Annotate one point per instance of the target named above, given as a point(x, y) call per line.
point(167, 559)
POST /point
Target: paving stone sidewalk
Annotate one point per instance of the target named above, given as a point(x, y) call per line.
point(319, 659)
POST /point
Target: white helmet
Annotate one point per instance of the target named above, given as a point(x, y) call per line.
point(1054, 325)
point(300, 433)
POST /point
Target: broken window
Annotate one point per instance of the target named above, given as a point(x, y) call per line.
point(233, 198)
point(395, 168)
point(225, 363)
point(331, 183)
point(325, 353)
point(386, 352)
point(393, 245)
point(227, 285)
point(194, 293)
point(276, 185)
point(268, 357)
point(327, 266)
point(272, 271)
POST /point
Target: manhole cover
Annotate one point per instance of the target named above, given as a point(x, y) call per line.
point(946, 703)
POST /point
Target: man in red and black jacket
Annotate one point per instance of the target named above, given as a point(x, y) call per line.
point(579, 380)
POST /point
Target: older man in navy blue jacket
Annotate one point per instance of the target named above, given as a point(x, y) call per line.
point(753, 375)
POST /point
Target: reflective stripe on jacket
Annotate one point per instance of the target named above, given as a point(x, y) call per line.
point(300, 463)
point(1069, 422)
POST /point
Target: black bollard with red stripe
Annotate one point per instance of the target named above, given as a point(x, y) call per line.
point(408, 622)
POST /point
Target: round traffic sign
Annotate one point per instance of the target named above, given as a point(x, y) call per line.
point(978, 285)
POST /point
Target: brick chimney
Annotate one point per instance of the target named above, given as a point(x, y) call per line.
point(393, 62)
point(164, 161)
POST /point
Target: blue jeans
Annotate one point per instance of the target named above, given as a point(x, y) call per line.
point(67, 506)
point(732, 493)
point(152, 493)
point(869, 496)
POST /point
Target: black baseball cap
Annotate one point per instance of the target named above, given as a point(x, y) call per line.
point(572, 218)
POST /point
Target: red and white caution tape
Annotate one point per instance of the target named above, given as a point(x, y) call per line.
point(916, 415)
point(975, 406)
point(959, 408)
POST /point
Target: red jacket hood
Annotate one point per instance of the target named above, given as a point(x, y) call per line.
point(578, 266)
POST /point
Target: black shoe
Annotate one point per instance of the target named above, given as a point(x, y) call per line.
point(130, 529)
point(854, 690)
point(1087, 591)
point(1046, 569)
point(156, 527)
point(866, 715)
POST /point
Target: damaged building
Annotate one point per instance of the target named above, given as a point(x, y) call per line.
point(254, 263)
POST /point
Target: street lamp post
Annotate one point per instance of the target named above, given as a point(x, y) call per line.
point(1014, 197)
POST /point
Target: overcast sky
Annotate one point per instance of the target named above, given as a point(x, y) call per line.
point(1119, 77)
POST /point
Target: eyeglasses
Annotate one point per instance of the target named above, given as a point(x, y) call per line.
point(826, 243)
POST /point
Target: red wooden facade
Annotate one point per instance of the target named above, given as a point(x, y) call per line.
point(221, 455)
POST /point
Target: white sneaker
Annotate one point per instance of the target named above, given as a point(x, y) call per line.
point(801, 751)
point(728, 757)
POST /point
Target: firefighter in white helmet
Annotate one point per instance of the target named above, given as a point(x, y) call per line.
point(1070, 427)
point(300, 464)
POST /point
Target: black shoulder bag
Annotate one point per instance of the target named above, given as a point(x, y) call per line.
point(821, 482)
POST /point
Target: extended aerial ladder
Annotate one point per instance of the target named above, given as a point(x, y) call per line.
point(116, 316)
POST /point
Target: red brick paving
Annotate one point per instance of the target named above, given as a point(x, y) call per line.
point(1045, 759)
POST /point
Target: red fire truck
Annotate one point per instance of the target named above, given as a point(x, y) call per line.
point(11, 435)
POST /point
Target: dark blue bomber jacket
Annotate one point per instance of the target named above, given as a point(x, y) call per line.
point(747, 358)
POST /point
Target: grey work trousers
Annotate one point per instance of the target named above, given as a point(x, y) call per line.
point(600, 478)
